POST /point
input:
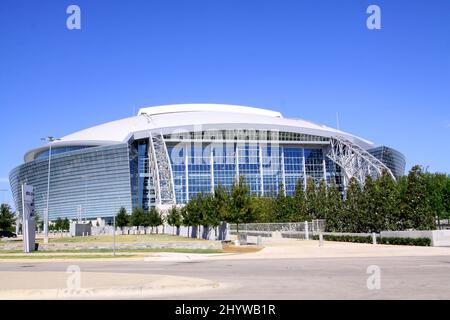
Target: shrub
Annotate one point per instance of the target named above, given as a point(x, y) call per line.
point(368, 239)
point(407, 241)
point(345, 238)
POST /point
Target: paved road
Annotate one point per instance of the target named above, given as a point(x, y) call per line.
point(326, 278)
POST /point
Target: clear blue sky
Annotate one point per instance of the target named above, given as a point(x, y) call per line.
point(307, 59)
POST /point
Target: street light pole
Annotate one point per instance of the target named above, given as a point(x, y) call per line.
point(85, 197)
point(114, 235)
point(46, 213)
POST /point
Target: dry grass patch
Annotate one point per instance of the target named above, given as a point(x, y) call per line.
point(231, 248)
point(123, 238)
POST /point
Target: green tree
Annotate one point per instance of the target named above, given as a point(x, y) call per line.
point(387, 202)
point(240, 207)
point(334, 209)
point(221, 198)
point(417, 211)
point(446, 197)
point(154, 218)
point(58, 224)
point(185, 218)
point(283, 206)
point(370, 218)
point(263, 209)
point(436, 184)
point(193, 209)
point(210, 216)
point(321, 200)
point(6, 217)
point(301, 211)
point(122, 218)
point(352, 207)
point(174, 218)
point(65, 224)
point(146, 219)
point(311, 198)
point(137, 217)
point(39, 222)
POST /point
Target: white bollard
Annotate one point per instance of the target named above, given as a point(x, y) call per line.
point(320, 239)
point(259, 241)
point(374, 238)
point(306, 231)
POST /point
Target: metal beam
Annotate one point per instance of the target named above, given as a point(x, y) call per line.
point(355, 161)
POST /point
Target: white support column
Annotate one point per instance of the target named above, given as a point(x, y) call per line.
point(261, 173)
point(304, 169)
point(324, 166)
point(283, 172)
point(186, 166)
point(150, 178)
point(306, 231)
point(237, 162)
point(211, 162)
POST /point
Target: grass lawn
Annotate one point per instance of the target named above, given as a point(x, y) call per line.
point(76, 251)
point(85, 256)
point(123, 238)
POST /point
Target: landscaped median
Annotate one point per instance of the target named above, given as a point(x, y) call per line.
point(122, 243)
point(126, 246)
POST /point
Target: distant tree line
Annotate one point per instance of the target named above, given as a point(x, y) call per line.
point(139, 218)
point(7, 217)
point(60, 225)
point(414, 201)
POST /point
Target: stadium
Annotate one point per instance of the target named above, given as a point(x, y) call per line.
point(165, 155)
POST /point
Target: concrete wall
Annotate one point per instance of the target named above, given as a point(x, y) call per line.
point(439, 238)
point(80, 229)
point(221, 233)
point(194, 244)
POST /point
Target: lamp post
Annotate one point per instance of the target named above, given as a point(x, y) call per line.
point(50, 140)
point(114, 235)
point(84, 215)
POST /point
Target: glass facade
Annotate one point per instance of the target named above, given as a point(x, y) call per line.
point(224, 165)
point(60, 150)
point(392, 158)
point(199, 169)
point(294, 168)
point(93, 181)
point(142, 192)
point(97, 181)
point(272, 170)
point(265, 167)
point(245, 134)
point(179, 171)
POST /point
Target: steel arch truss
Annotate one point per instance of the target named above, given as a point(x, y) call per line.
point(161, 169)
point(354, 160)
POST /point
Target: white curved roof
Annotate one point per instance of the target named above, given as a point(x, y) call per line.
point(194, 117)
point(207, 107)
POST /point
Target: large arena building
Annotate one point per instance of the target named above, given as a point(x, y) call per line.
point(167, 154)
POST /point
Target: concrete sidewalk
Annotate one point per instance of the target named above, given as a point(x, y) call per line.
point(304, 249)
point(91, 285)
point(274, 249)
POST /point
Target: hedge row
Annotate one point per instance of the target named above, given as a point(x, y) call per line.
point(345, 238)
point(368, 239)
point(407, 241)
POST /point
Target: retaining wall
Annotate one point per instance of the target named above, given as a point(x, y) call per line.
point(439, 238)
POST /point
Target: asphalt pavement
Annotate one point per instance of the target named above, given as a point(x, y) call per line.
point(418, 277)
